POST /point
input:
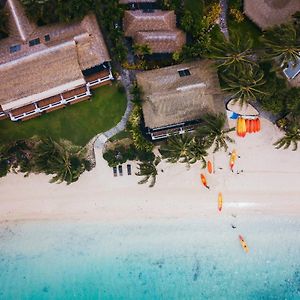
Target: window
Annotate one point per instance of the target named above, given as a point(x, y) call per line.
point(185, 72)
point(47, 37)
point(34, 42)
point(14, 48)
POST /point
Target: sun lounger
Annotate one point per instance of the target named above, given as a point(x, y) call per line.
point(120, 168)
point(129, 169)
point(115, 171)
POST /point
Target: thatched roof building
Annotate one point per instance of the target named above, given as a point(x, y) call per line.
point(42, 62)
point(155, 28)
point(267, 13)
point(177, 95)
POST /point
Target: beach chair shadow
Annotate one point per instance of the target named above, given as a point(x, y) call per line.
point(129, 169)
point(120, 168)
point(115, 171)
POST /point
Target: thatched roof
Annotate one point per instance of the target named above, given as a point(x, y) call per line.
point(267, 13)
point(40, 75)
point(50, 67)
point(18, 23)
point(138, 20)
point(162, 41)
point(171, 99)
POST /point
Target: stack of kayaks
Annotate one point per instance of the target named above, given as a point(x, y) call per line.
point(244, 126)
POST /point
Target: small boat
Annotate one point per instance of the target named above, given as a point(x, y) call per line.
point(258, 124)
point(243, 244)
point(231, 163)
point(204, 182)
point(209, 167)
point(220, 201)
point(248, 125)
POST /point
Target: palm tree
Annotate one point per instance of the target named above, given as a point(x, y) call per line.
point(213, 131)
point(234, 53)
point(149, 171)
point(184, 148)
point(292, 137)
point(282, 44)
point(60, 159)
point(140, 50)
point(245, 85)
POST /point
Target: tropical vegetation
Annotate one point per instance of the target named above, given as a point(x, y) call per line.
point(61, 159)
point(291, 137)
point(149, 171)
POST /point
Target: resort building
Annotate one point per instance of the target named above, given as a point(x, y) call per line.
point(267, 13)
point(175, 97)
point(46, 68)
point(155, 28)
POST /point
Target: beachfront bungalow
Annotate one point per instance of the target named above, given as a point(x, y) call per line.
point(46, 68)
point(155, 28)
point(175, 97)
point(267, 13)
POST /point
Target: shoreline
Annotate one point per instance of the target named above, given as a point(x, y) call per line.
point(268, 185)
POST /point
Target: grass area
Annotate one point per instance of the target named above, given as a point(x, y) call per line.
point(119, 136)
point(77, 123)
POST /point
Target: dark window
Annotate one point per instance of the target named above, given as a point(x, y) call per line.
point(34, 42)
point(185, 72)
point(14, 48)
point(148, 10)
point(47, 37)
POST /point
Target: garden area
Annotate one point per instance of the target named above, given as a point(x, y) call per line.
point(77, 123)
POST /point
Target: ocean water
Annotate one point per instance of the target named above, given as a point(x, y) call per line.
point(198, 259)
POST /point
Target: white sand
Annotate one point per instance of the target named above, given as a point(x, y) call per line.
point(268, 185)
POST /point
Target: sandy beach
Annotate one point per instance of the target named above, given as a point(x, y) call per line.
point(268, 184)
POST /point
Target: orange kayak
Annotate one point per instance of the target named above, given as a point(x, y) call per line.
point(243, 244)
point(204, 182)
point(248, 125)
point(258, 124)
point(231, 163)
point(209, 167)
point(220, 201)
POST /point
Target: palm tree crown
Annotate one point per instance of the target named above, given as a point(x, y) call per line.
point(292, 137)
point(149, 171)
point(184, 148)
point(213, 131)
point(245, 85)
point(282, 44)
point(234, 53)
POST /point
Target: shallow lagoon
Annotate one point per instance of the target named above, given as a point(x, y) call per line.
point(197, 259)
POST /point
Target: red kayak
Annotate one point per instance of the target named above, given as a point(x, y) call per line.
point(209, 167)
point(204, 182)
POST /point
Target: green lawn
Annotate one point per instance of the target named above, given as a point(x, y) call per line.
point(77, 123)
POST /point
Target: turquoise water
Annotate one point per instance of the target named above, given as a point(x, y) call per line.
point(199, 259)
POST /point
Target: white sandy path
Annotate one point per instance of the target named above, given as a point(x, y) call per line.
point(268, 185)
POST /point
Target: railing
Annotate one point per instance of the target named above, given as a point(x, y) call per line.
point(100, 80)
point(49, 106)
point(166, 133)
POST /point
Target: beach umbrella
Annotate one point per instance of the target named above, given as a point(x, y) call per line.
point(203, 180)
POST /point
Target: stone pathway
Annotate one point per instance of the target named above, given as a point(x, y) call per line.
point(223, 18)
point(126, 78)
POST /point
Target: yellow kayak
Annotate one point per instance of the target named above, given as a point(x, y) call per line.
point(243, 244)
point(220, 201)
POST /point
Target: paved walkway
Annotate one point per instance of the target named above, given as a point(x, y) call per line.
point(223, 18)
point(126, 78)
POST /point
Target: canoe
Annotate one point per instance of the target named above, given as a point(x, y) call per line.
point(258, 124)
point(248, 125)
point(252, 126)
point(243, 126)
point(243, 244)
point(209, 167)
point(231, 163)
point(220, 201)
point(204, 182)
point(238, 125)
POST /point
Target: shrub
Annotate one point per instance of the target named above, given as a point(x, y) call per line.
point(237, 15)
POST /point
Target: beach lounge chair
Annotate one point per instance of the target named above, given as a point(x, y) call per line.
point(120, 168)
point(129, 169)
point(115, 171)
